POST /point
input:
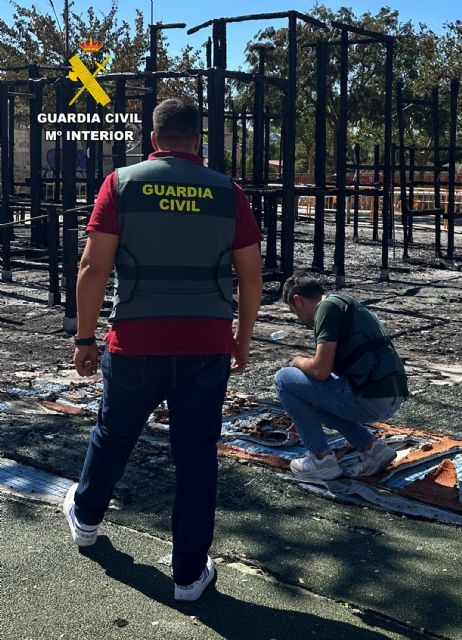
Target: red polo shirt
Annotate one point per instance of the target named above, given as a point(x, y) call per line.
point(170, 336)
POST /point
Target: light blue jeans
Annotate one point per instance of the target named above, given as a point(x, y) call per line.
point(311, 403)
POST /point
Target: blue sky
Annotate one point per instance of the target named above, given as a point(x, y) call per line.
point(433, 13)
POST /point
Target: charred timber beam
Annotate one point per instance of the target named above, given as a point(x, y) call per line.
point(362, 32)
point(262, 16)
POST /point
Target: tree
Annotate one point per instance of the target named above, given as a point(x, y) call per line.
point(422, 59)
point(39, 38)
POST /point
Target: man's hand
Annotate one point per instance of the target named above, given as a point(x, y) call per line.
point(321, 366)
point(240, 357)
point(86, 360)
point(299, 362)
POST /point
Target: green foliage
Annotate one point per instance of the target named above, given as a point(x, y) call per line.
point(422, 60)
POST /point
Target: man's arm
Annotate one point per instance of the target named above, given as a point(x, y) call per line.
point(94, 271)
point(321, 365)
point(95, 268)
point(247, 263)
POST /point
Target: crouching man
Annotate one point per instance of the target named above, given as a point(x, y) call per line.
point(355, 376)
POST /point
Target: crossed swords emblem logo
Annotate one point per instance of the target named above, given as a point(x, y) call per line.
point(88, 79)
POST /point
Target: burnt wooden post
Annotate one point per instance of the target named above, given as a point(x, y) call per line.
point(341, 163)
point(71, 258)
point(234, 136)
point(208, 52)
point(35, 107)
point(54, 294)
point(271, 236)
point(402, 169)
point(356, 152)
point(320, 154)
point(149, 100)
point(147, 107)
point(5, 210)
point(119, 158)
point(411, 191)
point(244, 146)
point(200, 107)
point(436, 168)
point(58, 146)
point(375, 212)
point(288, 170)
point(388, 170)
point(100, 151)
point(455, 85)
point(216, 98)
point(91, 155)
point(69, 175)
point(11, 143)
point(259, 118)
point(267, 146)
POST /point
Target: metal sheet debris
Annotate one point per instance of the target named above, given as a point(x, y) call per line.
point(24, 479)
point(425, 480)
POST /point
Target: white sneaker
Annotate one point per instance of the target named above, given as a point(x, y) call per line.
point(377, 458)
point(83, 534)
point(312, 468)
point(194, 591)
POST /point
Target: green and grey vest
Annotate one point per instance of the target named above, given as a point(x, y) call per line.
point(366, 355)
point(177, 221)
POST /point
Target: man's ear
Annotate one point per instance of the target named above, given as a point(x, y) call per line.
point(197, 142)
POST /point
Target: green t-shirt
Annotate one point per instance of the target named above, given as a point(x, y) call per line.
point(333, 322)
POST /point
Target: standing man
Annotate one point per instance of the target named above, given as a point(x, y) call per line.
point(355, 376)
point(172, 228)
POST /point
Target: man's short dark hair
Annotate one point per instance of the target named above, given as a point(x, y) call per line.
point(175, 119)
point(303, 286)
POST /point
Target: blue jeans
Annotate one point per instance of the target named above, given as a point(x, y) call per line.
point(195, 389)
point(311, 403)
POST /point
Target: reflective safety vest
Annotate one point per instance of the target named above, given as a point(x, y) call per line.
point(177, 221)
point(365, 354)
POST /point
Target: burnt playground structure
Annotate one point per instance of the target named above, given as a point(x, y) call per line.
point(42, 217)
